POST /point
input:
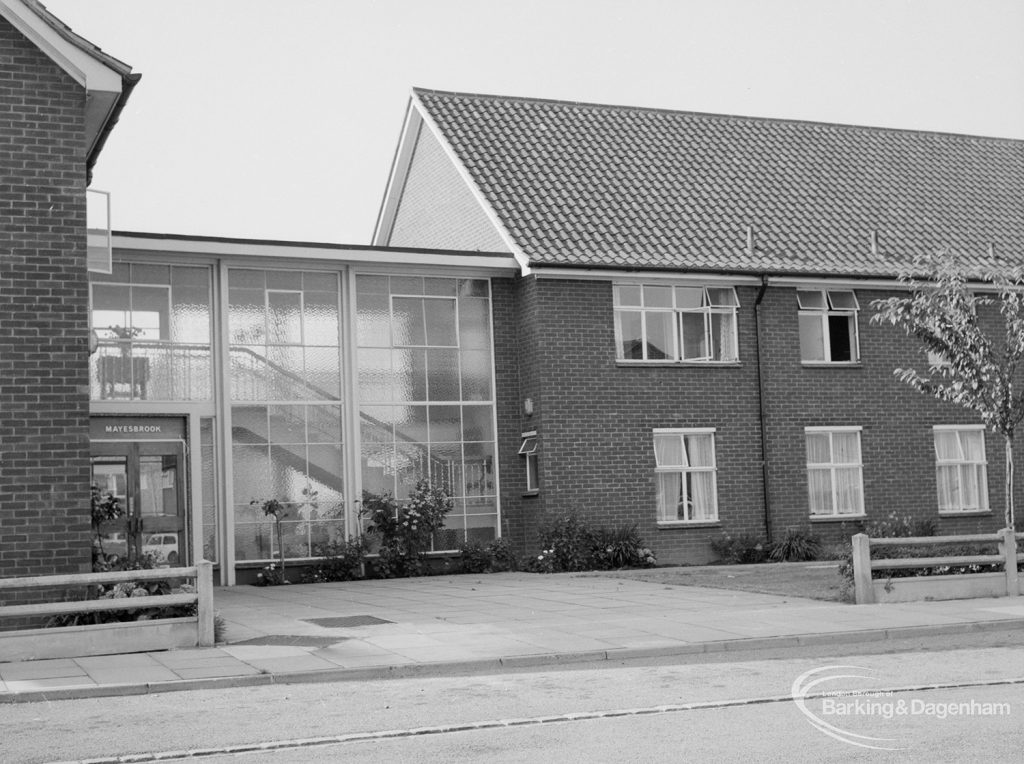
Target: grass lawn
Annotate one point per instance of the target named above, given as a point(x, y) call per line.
point(815, 580)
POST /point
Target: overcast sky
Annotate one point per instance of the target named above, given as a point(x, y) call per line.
point(279, 119)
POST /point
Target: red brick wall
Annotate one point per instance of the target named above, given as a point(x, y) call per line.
point(897, 443)
point(595, 418)
point(44, 445)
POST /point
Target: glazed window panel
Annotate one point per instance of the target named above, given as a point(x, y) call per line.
point(528, 450)
point(292, 452)
point(209, 489)
point(834, 472)
point(828, 325)
point(153, 323)
point(961, 469)
point(675, 324)
point(285, 335)
point(426, 401)
point(685, 476)
point(287, 418)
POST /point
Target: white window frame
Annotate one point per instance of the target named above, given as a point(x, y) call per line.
point(828, 310)
point(663, 516)
point(107, 333)
point(962, 464)
point(832, 467)
point(676, 352)
point(402, 296)
point(528, 450)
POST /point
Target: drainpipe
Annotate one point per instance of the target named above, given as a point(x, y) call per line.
point(760, 406)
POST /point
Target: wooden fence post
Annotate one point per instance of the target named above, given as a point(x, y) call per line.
point(862, 587)
point(1008, 548)
point(204, 588)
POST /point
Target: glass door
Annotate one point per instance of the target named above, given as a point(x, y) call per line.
point(147, 480)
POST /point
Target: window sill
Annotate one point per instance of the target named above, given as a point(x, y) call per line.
point(832, 364)
point(530, 494)
point(689, 524)
point(964, 513)
point(836, 518)
point(695, 364)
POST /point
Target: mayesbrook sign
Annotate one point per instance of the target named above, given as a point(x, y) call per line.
point(136, 428)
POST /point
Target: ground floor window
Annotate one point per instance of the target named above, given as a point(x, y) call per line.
point(961, 468)
point(834, 471)
point(685, 472)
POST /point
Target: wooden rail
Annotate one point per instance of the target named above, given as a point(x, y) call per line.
point(202, 573)
point(863, 565)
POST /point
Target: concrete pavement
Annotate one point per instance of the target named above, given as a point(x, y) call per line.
point(444, 624)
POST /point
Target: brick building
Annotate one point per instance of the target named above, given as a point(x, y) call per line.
point(643, 316)
point(692, 348)
point(61, 96)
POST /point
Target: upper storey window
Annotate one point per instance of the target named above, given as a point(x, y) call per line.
point(152, 324)
point(828, 326)
point(675, 323)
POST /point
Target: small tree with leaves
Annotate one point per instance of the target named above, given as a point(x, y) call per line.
point(976, 371)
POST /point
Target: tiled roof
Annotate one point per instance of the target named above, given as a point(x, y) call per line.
point(77, 40)
point(611, 186)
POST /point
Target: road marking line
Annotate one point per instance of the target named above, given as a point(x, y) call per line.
point(441, 729)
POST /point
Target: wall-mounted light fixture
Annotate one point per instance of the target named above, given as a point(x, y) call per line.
point(528, 406)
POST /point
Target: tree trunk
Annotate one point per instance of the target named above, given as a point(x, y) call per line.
point(1009, 480)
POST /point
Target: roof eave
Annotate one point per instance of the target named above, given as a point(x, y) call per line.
point(106, 80)
point(111, 115)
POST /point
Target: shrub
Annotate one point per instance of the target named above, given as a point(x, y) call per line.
point(123, 590)
point(492, 557)
point(621, 547)
point(742, 549)
point(896, 526)
point(271, 575)
point(797, 546)
point(504, 557)
point(405, 531)
point(569, 545)
point(475, 557)
point(937, 550)
point(339, 561)
point(834, 552)
point(220, 628)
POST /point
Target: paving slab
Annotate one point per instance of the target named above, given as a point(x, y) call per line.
point(449, 623)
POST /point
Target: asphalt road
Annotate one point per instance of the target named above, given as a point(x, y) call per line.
point(770, 732)
point(722, 708)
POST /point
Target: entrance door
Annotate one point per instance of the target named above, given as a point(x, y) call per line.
point(147, 478)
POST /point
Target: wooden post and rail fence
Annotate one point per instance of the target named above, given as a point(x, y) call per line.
point(1003, 583)
point(109, 638)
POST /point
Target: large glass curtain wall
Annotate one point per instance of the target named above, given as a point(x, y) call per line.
point(286, 410)
point(425, 395)
point(426, 399)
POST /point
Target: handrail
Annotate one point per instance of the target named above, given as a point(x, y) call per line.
point(925, 540)
point(90, 606)
point(933, 562)
point(76, 579)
